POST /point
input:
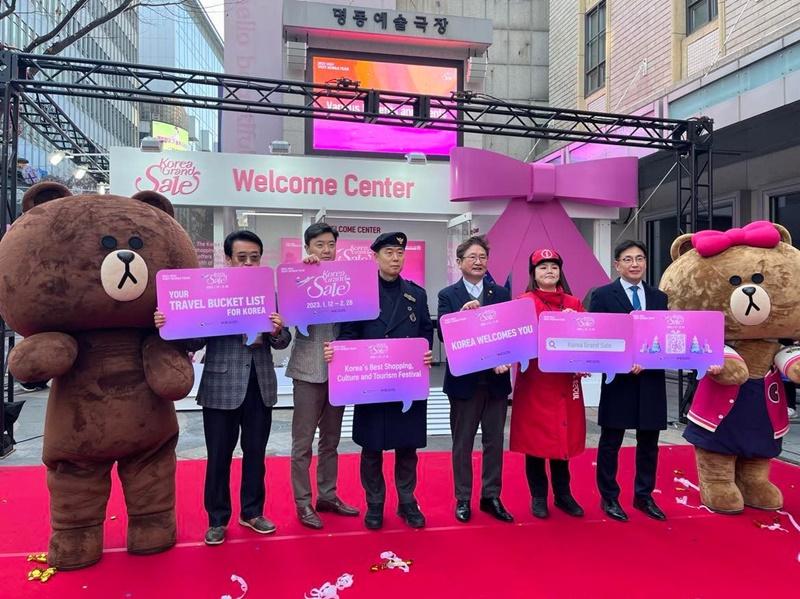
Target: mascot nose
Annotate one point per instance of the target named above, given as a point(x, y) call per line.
point(127, 257)
point(749, 291)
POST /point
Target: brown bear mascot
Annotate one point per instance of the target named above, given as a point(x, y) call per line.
point(77, 280)
point(738, 416)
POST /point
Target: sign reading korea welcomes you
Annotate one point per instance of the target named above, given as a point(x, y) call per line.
point(269, 181)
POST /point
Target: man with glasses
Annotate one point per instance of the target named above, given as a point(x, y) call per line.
point(631, 401)
point(479, 398)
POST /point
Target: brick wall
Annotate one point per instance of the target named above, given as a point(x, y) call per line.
point(563, 46)
point(760, 18)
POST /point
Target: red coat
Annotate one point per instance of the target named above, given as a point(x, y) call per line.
point(547, 413)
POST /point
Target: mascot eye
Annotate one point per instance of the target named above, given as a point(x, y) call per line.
point(757, 278)
point(135, 243)
point(109, 242)
point(735, 280)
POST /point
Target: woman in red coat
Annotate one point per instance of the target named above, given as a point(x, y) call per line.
point(547, 414)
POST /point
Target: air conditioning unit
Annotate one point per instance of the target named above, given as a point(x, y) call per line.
point(296, 56)
point(476, 68)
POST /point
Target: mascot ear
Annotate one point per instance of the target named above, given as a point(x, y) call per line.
point(43, 192)
point(680, 246)
point(156, 200)
point(785, 235)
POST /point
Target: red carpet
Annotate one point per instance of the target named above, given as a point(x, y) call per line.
point(694, 554)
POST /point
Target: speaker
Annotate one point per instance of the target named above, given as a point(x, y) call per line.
point(476, 68)
point(296, 55)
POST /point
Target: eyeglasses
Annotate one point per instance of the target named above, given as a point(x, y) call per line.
point(476, 258)
point(628, 260)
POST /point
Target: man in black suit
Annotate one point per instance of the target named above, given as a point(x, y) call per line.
point(479, 397)
point(383, 426)
point(631, 401)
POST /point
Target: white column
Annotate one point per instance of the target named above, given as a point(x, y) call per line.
point(602, 243)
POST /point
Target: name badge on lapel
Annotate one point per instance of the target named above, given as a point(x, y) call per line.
point(410, 297)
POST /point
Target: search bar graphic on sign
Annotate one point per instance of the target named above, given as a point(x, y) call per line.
point(588, 345)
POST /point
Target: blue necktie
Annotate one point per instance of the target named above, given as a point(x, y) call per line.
point(637, 304)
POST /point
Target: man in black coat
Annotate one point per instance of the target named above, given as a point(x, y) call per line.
point(383, 426)
point(631, 401)
point(479, 398)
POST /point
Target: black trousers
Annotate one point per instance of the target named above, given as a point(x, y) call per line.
point(537, 476)
point(405, 475)
point(791, 394)
point(221, 429)
point(607, 462)
point(465, 416)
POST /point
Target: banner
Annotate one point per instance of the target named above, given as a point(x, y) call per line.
point(378, 371)
point(358, 249)
point(211, 302)
point(336, 291)
point(585, 342)
point(490, 336)
point(678, 339)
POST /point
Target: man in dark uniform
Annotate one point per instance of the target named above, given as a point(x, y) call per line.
point(383, 426)
point(631, 401)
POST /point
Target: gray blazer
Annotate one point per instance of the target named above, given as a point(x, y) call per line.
point(306, 362)
point(226, 371)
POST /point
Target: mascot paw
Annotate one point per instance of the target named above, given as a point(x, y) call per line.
point(793, 373)
point(718, 489)
point(167, 369)
point(75, 548)
point(752, 478)
point(151, 533)
point(42, 357)
point(734, 372)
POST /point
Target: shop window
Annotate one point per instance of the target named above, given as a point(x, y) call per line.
point(595, 59)
point(785, 210)
point(698, 13)
point(661, 232)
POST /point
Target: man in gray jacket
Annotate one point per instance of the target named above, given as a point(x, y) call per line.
point(237, 392)
point(312, 410)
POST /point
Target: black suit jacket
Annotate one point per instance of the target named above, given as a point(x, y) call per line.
point(631, 401)
point(383, 425)
point(451, 299)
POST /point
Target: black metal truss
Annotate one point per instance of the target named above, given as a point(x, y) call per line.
point(29, 82)
point(344, 101)
point(40, 111)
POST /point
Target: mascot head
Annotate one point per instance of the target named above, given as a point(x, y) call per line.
point(751, 274)
point(75, 263)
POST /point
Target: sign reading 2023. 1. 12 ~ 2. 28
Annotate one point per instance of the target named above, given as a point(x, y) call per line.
point(335, 291)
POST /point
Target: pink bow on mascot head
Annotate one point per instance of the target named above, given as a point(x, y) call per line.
point(760, 234)
point(535, 218)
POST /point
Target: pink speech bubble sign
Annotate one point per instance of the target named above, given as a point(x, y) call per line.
point(211, 302)
point(378, 371)
point(335, 291)
point(678, 339)
point(585, 342)
point(490, 336)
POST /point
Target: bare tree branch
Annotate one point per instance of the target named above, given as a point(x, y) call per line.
point(43, 39)
point(125, 5)
point(12, 6)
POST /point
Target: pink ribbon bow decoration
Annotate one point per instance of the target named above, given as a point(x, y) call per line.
point(760, 234)
point(540, 220)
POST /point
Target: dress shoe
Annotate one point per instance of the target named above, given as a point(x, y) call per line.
point(647, 506)
point(463, 511)
point(336, 506)
point(308, 517)
point(539, 507)
point(613, 509)
point(411, 514)
point(494, 507)
point(215, 535)
point(259, 524)
point(374, 516)
point(568, 505)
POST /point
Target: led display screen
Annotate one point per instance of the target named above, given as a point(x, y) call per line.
point(337, 136)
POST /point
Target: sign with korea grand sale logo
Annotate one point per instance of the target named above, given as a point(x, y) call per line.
point(285, 182)
point(335, 291)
